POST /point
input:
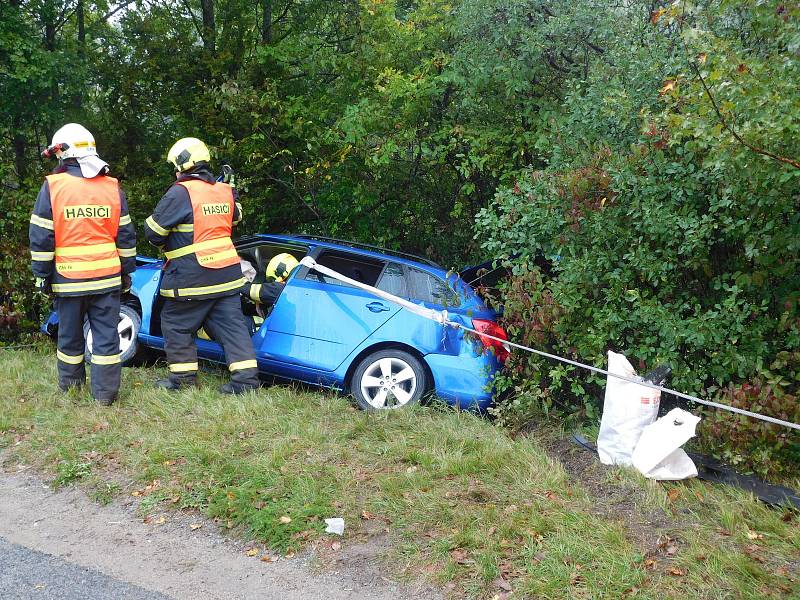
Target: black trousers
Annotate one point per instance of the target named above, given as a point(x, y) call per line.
point(102, 311)
point(222, 318)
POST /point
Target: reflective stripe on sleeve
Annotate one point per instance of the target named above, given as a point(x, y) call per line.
point(127, 252)
point(151, 223)
point(111, 359)
point(208, 289)
point(183, 367)
point(243, 364)
point(125, 220)
point(191, 248)
point(255, 292)
point(42, 222)
point(88, 286)
point(42, 255)
point(241, 213)
point(184, 228)
point(68, 358)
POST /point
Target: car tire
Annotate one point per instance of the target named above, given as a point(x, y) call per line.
point(388, 379)
point(129, 325)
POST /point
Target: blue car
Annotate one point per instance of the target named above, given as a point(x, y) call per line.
point(324, 332)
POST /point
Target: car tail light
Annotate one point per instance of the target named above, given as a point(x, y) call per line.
point(500, 349)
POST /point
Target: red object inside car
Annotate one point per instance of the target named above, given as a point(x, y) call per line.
point(500, 349)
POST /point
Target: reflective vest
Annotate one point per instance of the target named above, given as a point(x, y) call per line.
point(85, 222)
point(212, 207)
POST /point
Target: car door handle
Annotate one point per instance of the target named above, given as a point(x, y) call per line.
point(377, 307)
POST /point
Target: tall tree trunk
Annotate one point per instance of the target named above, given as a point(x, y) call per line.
point(77, 99)
point(266, 24)
point(209, 27)
point(20, 143)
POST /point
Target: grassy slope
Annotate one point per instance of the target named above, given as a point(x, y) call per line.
point(463, 502)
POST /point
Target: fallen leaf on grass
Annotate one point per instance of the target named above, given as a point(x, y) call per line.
point(136, 493)
point(412, 469)
point(673, 494)
point(195, 526)
point(649, 563)
point(551, 495)
point(161, 521)
point(677, 572)
point(502, 584)
point(753, 552)
point(175, 499)
point(366, 515)
point(268, 559)
point(289, 554)
point(285, 520)
point(672, 550)
point(752, 535)
point(252, 552)
point(460, 555)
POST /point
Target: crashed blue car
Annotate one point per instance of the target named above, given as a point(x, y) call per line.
point(324, 332)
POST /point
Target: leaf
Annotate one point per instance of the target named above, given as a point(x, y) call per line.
point(668, 86)
point(252, 552)
point(752, 535)
point(460, 555)
point(677, 572)
point(673, 494)
point(502, 584)
point(268, 559)
point(285, 520)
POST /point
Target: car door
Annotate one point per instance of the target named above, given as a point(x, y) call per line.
point(318, 321)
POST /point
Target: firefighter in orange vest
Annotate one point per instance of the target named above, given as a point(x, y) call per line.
point(83, 246)
point(202, 275)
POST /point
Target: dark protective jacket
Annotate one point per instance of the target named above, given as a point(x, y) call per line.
point(171, 227)
point(84, 266)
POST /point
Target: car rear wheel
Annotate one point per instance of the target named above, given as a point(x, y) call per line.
point(129, 325)
point(388, 379)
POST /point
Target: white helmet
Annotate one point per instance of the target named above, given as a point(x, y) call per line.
point(75, 141)
point(78, 139)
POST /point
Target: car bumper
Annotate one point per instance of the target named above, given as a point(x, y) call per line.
point(464, 381)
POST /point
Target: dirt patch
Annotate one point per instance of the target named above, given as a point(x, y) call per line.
point(650, 529)
point(183, 555)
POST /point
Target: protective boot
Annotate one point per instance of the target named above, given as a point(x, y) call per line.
point(71, 384)
point(106, 401)
point(236, 389)
point(175, 384)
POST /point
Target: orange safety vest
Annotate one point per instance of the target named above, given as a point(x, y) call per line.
point(212, 207)
point(85, 222)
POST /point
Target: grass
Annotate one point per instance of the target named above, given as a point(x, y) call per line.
point(466, 506)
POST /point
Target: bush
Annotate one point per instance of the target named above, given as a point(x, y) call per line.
point(671, 241)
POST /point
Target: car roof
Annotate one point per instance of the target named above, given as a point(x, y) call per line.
point(352, 247)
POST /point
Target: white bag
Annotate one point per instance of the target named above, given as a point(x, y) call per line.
point(628, 408)
point(658, 455)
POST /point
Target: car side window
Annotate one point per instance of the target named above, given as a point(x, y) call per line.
point(429, 288)
point(393, 281)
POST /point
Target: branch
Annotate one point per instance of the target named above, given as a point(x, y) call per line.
point(729, 129)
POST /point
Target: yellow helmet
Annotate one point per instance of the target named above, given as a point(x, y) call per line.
point(187, 152)
point(281, 266)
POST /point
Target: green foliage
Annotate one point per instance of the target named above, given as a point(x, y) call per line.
point(647, 150)
point(670, 239)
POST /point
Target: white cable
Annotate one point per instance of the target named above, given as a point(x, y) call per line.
point(441, 317)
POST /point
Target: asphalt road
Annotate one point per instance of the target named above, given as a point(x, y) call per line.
point(26, 573)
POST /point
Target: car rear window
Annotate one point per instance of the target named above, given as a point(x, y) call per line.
point(429, 288)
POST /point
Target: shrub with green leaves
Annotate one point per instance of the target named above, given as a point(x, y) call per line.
point(669, 213)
